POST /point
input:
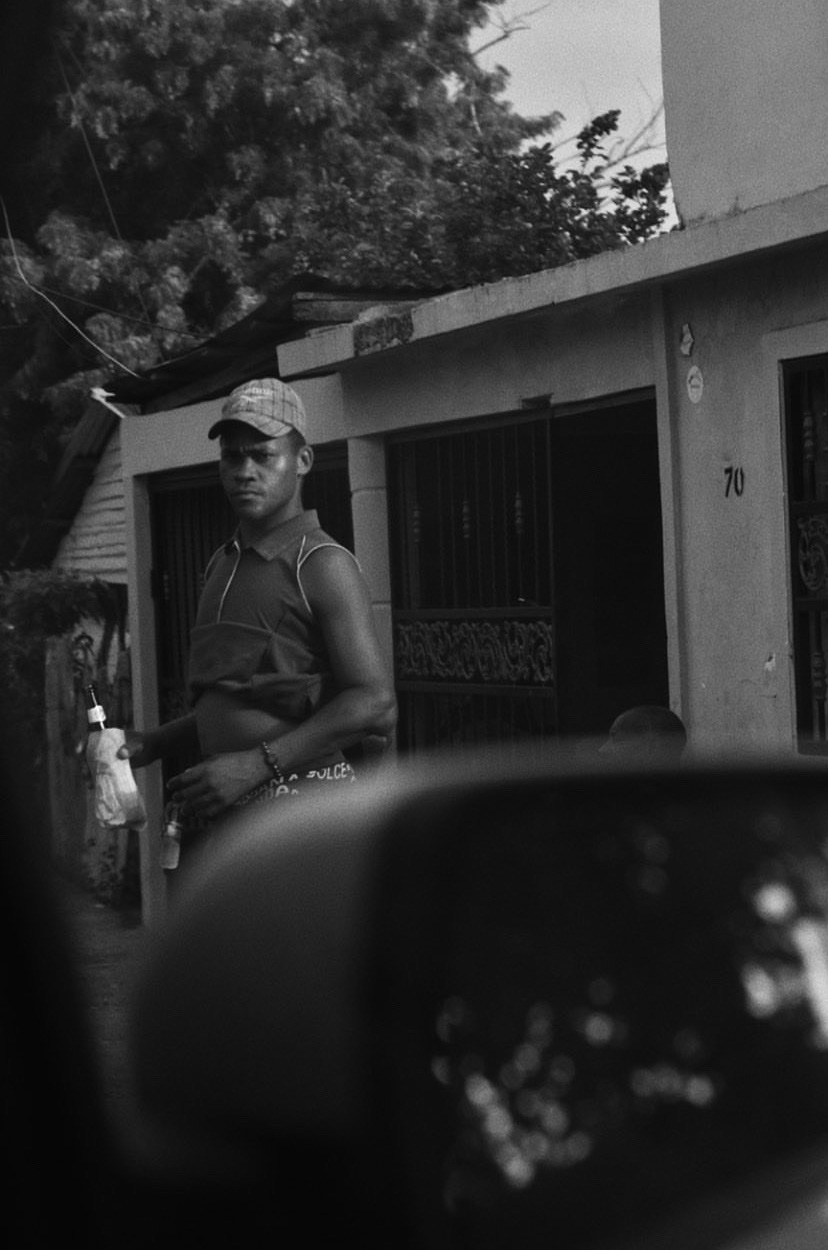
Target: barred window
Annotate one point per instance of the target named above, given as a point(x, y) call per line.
point(806, 412)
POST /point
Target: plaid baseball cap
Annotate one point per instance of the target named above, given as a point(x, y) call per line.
point(267, 404)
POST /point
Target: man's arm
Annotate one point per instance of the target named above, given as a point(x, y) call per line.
point(365, 703)
point(143, 748)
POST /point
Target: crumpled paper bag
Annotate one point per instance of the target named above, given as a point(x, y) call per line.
point(117, 799)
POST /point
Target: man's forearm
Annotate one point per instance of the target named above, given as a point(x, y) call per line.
point(174, 736)
point(349, 717)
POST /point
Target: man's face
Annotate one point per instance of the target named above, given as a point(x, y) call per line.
point(262, 477)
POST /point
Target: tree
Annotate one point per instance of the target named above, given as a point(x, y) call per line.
point(187, 156)
point(484, 214)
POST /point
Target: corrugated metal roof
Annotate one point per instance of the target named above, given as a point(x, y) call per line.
point(241, 351)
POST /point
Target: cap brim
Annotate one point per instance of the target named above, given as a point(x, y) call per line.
point(268, 428)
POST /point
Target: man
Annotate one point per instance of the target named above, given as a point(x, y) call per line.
point(646, 734)
point(285, 665)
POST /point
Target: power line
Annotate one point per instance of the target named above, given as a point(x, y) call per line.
point(41, 294)
point(110, 210)
point(138, 321)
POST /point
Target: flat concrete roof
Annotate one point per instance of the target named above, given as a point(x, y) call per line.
point(682, 252)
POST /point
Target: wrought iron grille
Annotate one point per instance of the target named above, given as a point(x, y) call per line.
point(474, 629)
point(527, 576)
point(806, 413)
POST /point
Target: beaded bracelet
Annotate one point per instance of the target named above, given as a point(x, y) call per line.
point(272, 761)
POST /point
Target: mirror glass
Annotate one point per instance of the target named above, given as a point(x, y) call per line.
point(625, 1007)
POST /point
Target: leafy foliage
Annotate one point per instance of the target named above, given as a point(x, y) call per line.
point(188, 156)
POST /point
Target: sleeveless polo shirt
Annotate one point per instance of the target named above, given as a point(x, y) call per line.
point(256, 650)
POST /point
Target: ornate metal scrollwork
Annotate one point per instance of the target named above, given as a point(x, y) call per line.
point(808, 436)
point(813, 553)
point(507, 652)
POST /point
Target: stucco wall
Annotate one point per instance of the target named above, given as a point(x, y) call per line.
point(732, 506)
point(746, 101)
point(571, 355)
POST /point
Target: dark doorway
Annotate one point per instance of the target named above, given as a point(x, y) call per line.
point(609, 580)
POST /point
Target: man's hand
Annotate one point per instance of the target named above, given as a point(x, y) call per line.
point(208, 788)
point(140, 749)
point(143, 748)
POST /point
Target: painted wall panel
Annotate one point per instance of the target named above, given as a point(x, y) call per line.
point(96, 542)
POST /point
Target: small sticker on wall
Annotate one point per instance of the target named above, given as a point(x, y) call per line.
point(687, 341)
point(695, 384)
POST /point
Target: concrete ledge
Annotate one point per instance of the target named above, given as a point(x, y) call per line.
point(769, 227)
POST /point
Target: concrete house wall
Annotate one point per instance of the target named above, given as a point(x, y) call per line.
point(733, 550)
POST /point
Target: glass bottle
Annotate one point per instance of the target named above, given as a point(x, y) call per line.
point(171, 837)
point(95, 715)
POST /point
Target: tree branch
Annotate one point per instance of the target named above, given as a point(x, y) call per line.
point(639, 144)
point(509, 27)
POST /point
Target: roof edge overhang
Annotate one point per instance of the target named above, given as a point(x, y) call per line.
point(768, 228)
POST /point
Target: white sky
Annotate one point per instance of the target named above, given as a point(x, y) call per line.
point(583, 57)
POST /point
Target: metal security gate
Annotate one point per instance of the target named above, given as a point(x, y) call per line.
point(527, 576)
point(190, 519)
point(806, 413)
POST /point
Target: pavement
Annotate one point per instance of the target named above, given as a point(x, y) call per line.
point(109, 942)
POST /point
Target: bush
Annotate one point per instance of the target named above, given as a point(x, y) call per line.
point(36, 605)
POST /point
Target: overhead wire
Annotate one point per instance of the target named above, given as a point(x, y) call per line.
point(42, 295)
point(122, 316)
point(79, 120)
point(41, 292)
point(98, 176)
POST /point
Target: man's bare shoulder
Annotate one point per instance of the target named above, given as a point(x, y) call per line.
point(330, 572)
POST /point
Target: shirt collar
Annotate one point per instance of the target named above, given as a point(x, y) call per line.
point(279, 538)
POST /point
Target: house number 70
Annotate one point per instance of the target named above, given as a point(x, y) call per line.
point(734, 481)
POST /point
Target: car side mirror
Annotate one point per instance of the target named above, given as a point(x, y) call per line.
point(514, 1006)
